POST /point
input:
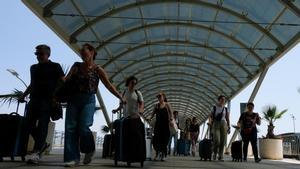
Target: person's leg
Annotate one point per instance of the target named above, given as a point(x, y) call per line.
point(216, 138)
point(193, 143)
point(254, 146)
point(169, 144)
point(86, 119)
point(41, 132)
point(42, 125)
point(32, 120)
point(175, 143)
point(223, 138)
point(245, 146)
point(71, 147)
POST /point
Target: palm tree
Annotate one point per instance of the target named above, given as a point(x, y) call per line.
point(11, 97)
point(271, 114)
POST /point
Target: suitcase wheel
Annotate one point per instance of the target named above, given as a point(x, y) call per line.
point(23, 158)
point(128, 164)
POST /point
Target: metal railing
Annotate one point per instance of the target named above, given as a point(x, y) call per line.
point(59, 139)
point(291, 145)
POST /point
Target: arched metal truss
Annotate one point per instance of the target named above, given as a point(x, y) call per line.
point(213, 69)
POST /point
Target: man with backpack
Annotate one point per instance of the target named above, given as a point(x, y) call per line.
point(220, 125)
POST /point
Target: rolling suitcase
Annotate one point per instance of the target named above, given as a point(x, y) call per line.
point(14, 136)
point(237, 151)
point(205, 147)
point(181, 147)
point(130, 144)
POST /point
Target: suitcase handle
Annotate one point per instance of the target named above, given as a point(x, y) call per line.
point(17, 110)
point(14, 114)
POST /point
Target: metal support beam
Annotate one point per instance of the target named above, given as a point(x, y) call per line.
point(103, 108)
point(291, 6)
point(251, 99)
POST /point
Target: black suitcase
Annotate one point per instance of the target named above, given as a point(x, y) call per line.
point(130, 143)
point(205, 149)
point(181, 147)
point(237, 151)
point(108, 146)
point(14, 135)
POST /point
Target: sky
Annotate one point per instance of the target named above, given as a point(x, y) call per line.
point(21, 31)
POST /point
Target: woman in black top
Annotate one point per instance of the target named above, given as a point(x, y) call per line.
point(85, 78)
point(247, 122)
point(164, 118)
point(194, 130)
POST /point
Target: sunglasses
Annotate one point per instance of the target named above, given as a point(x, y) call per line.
point(159, 96)
point(39, 53)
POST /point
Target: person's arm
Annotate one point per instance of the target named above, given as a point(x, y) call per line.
point(153, 112)
point(170, 112)
point(228, 119)
point(27, 91)
point(29, 88)
point(104, 79)
point(239, 123)
point(210, 117)
point(258, 120)
point(141, 103)
point(60, 81)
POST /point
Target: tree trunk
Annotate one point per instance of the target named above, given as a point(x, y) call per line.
point(271, 131)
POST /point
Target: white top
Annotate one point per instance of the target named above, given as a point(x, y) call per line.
point(131, 107)
point(218, 111)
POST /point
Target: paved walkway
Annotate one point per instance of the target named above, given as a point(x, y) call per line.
point(55, 162)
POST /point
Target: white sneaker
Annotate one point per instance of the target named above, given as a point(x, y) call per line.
point(34, 158)
point(71, 164)
point(88, 158)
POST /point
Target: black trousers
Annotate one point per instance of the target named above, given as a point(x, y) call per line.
point(252, 138)
point(38, 117)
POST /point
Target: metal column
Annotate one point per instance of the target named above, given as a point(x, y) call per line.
point(103, 108)
point(251, 99)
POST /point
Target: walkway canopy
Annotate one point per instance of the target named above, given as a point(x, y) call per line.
point(193, 50)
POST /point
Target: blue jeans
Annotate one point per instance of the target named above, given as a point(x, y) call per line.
point(78, 136)
point(175, 136)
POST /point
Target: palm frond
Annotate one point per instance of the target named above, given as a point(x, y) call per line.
point(279, 115)
point(271, 113)
point(11, 97)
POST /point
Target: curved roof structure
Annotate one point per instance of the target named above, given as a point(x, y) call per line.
point(193, 50)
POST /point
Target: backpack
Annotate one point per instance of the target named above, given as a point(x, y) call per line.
point(220, 115)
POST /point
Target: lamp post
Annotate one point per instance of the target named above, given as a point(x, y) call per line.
point(16, 74)
point(293, 118)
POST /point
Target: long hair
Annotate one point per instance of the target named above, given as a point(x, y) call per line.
point(164, 95)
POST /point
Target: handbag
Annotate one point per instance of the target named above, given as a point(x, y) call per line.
point(56, 112)
point(173, 128)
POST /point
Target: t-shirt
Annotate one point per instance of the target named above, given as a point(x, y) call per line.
point(248, 120)
point(131, 107)
point(44, 79)
point(218, 111)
